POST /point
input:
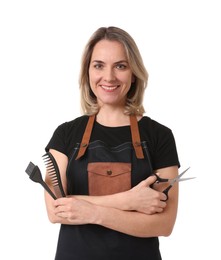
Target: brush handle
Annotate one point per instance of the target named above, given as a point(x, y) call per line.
point(48, 190)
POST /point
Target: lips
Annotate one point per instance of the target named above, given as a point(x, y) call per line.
point(109, 88)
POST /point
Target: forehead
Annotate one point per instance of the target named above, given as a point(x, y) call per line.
point(107, 48)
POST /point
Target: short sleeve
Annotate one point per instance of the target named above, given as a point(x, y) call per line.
point(165, 152)
point(57, 140)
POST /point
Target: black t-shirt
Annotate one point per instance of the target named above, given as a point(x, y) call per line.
point(160, 138)
point(96, 242)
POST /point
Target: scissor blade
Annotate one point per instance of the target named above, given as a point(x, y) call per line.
point(186, 179)
point(178, 178)
point(182, 173)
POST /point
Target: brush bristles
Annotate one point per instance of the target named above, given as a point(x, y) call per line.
point(30, 168)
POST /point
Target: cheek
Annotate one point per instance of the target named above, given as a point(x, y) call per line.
point(128, 80)
point(93, 78)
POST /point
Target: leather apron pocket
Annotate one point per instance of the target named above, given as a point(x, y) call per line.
point(105, 178)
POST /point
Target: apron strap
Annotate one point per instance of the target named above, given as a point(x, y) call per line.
point(134, 132)
point(136, 137)
point(86, 137)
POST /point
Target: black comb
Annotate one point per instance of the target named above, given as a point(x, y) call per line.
point(54, 174)
point(35, 175)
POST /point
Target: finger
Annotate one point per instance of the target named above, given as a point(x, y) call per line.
point(62, 214)
point(155, 210)
point(150, 180)
point(159, 210)
point(61, 201)
point(163, 197)
point(58, 202)
point(162, 204)
point(60, 209)
point(157, 173)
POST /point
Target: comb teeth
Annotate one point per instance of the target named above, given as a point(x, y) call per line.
point(54, 174)
point(50, 169)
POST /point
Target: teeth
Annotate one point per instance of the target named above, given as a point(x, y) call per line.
point(109, 88)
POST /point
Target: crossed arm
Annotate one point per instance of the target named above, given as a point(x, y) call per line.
point(139, 212)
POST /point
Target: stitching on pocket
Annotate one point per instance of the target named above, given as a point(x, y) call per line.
point(106, 178)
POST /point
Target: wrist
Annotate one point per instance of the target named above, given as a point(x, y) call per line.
point(125, 200)
point(97, 216)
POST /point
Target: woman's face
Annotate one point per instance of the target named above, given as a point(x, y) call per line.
point(109, 73)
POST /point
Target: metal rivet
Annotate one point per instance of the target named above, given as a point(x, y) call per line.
point(109, 172)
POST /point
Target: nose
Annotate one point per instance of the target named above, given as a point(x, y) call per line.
point(109, 75)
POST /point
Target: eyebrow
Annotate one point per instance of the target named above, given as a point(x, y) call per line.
point(117, 62)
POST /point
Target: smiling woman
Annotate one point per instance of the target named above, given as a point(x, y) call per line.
point(123, 56)
point(107, 158)
point(110, 75)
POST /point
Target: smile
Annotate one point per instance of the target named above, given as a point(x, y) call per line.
point(109, 88)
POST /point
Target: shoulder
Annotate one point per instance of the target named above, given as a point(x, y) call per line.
point(71, 130)
point(67, 134)
point(161, 143)
point(72, 125)
point(77, 121)
point(155, 133)
point(153, 127)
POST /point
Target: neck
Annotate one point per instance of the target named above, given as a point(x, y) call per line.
point(112, 118)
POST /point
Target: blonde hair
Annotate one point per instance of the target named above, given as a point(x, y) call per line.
point(134, 101)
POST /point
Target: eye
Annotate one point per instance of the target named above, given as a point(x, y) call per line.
point(98, 66)
point(121, 66)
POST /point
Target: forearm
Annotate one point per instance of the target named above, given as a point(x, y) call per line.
point(135, 223)
point(119, 200)
point(75, 211)
point(133, 212)
point(128, 222)
point(140, 198)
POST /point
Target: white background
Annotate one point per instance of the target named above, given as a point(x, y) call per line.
point(41, 43)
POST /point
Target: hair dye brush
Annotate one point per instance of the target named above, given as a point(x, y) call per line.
point(35, 175)
point(53, 173)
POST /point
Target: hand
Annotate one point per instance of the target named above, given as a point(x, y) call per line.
point(144, 199)
point(74, 211)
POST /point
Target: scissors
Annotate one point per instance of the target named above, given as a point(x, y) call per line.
point(171, 181)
